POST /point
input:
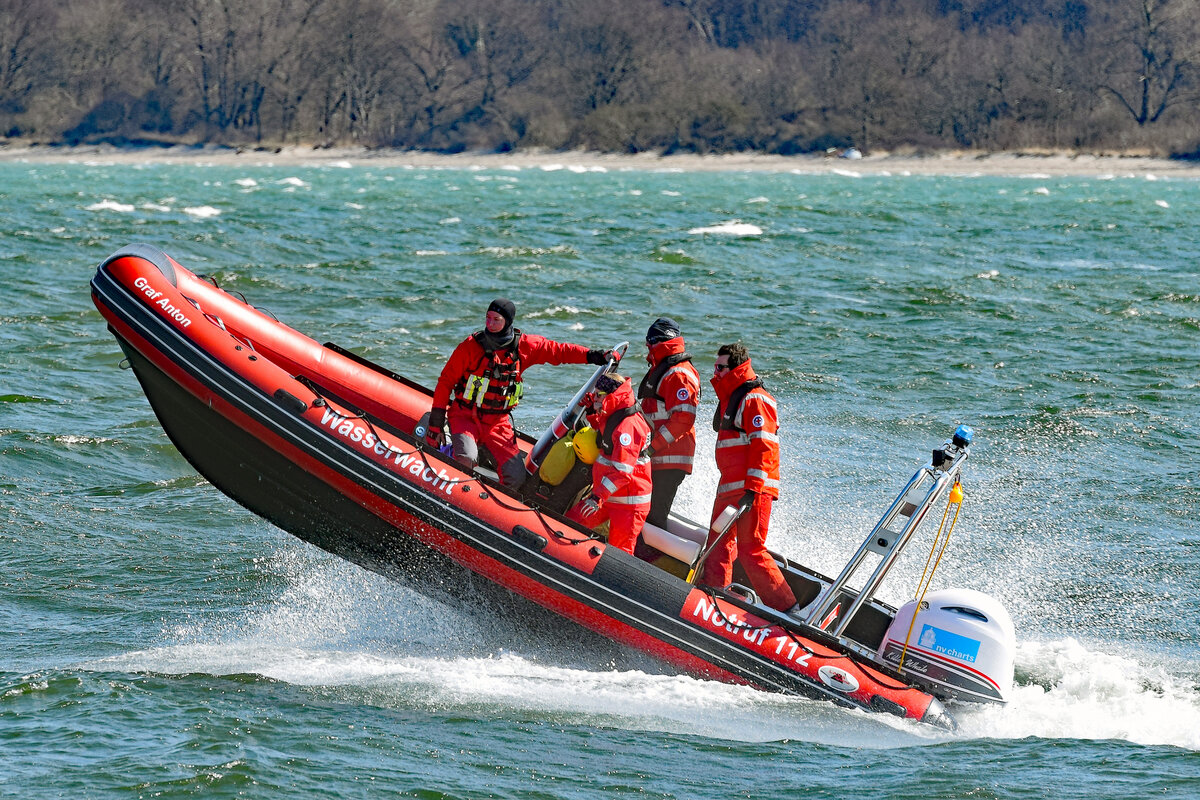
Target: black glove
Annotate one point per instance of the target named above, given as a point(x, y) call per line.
point(598, 357)
point(647, 452)
point(433, 430)
point(747, 500)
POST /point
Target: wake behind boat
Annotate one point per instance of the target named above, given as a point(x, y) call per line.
point(330, 448)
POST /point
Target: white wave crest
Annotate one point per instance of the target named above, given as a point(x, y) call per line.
point(202, 212)
point(497, 250)
point(110, 205)
point(731, 228)
point(70, 438)
point(1071, 692)
point(357, 636)
point(553, 311)
point(351, 633)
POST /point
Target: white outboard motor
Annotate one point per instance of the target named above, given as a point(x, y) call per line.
point(963, 641)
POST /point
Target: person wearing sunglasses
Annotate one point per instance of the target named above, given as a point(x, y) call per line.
point(669, 395)
point(747, 426)
point(621, 481)
point(481, 385)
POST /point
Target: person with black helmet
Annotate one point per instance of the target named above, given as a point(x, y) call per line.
point(481, 385)
point(669, 395)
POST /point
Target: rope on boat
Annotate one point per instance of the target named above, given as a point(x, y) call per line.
point(213, 280)
point(955, 499)
point(835, 656)
point(738, 625)
point(499, 500)
point(220, 323)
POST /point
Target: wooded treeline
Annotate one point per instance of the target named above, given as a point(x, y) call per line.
point(778, 76)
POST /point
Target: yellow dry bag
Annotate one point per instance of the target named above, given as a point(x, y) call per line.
point(558, 462)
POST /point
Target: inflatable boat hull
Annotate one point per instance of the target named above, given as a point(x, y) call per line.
point(322, 446)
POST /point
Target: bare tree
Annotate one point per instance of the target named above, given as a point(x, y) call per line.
point(92, 60)
point(23, 51)
point(618, 56)
point(877, 60)
point(737, 23)
point(354, 66)
point(457, 65)
point(239, 51)
point(1150, 56)
point(435, 84)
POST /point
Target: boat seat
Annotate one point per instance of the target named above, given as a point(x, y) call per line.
point(682, 540)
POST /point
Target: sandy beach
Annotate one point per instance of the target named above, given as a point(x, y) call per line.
point(950, 163)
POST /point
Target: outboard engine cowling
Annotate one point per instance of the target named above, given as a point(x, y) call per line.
point(963, 644)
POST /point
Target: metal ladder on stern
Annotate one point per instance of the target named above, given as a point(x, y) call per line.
point(887, 540)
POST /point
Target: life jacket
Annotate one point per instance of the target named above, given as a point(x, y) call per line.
point(621, 475)
point(747, 454)
point(494, 385)
point(610, 427)
point(649, 386)
point(669, 395)
point(726, 422)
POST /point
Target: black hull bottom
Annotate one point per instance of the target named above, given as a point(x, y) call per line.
point(272, 486)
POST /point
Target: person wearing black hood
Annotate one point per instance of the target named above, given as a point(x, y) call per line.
point(481, 385)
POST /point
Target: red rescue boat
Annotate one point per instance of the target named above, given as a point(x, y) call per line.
point(329, 447)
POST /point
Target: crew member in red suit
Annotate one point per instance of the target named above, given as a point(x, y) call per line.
point(747, 426)
point(621, 475)
point(669, 395)
point(481, 384)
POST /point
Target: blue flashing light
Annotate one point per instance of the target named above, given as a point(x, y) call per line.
point(963, 435)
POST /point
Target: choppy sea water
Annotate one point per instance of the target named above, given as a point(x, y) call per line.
point(158, 640)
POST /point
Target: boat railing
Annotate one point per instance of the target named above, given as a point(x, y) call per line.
point(889, 537)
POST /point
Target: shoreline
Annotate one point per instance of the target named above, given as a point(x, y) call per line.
point(1008, 164)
